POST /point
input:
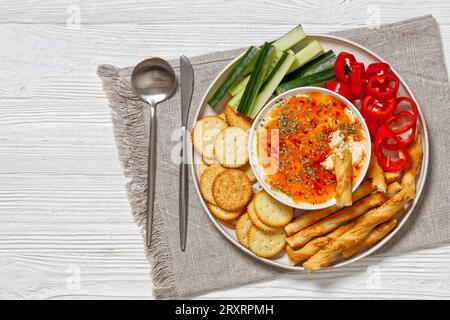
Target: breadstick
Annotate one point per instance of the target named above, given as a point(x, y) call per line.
point(308, 218)
point(344, 172)
point(376, 174)
point(391, 176)
point(309, 249)
point(393, 189)
point(371, 219)
point(360, 231)
point(415, 162)
point(336, 219)
point(378, 233)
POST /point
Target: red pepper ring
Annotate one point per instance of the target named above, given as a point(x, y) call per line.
point(406, 142)
point(341, 88)
point(405, 127)
point(384, 133)
point(341, 66)
point(377, 110)
point(372, 126)
point(396, 119)
point(415, 110)
point(377, 68)
point(357, 75)
point(380, 85)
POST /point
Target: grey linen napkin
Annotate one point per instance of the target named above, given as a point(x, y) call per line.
point(210, 262)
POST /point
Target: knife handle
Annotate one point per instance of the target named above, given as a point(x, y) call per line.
point(183, 189)
point(151, 171)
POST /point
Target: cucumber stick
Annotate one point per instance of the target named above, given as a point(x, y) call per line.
point(322, 62)
point(272, 82)
point(276, 56)
point(236, 99)
point(239, 86)
point(236, 72)
point(256, 78)
point(290, 39)
point(238, 89)
point(305, 55)
point(313, 79)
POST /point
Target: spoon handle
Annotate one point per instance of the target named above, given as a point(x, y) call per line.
point(151, 171)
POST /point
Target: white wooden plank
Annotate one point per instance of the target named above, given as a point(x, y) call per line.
point(54, 62)
point(107, 274)
point(160, 12)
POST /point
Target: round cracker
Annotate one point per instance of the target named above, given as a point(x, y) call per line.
point(207, 180)
point(247, 168)
point(255, 220)
point(230, 147)
point(210, 161)
point(204, 134)
point(265, 244)
point(271, 211)
point(242, 227)
point(200, 167)
point(237, 119)
point(223, 215)
point(230, 224)
point(232, 190)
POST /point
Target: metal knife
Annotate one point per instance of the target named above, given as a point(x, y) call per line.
point(187, 88)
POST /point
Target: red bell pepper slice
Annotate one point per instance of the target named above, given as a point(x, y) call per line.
point(404, 121)
point(402, 127)
point(414, 110)
point(341, 88)
point(342, 66)
point(377, 68)
point(383, 86)
point(372, 126)
point(406, 142)
point(377, 110)
point(357, 75)
point(383, 135)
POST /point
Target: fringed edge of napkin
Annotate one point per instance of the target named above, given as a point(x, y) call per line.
point(129, 131)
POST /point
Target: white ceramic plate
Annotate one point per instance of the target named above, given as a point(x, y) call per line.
point(362, 54)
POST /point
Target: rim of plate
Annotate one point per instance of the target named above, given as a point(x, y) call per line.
point(419, 187)
point(253, 158)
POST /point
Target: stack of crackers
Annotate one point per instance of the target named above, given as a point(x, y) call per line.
point(226, 184)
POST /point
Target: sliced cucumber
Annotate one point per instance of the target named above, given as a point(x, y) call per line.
point(290, 39)
point(272, 82)
point(239, 86)
point(305, 55)
point(236, 72)
point(234, 102)
point(276, 56)
point(312, 79)
point(256, 78)
point(322, 62)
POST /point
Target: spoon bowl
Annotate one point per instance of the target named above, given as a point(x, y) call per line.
point(153, 80)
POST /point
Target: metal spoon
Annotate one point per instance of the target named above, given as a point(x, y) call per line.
point(153, 80)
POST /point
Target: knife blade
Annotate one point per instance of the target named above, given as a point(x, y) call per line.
point(187, 88)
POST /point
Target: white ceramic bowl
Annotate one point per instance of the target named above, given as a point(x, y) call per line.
point(252, 146)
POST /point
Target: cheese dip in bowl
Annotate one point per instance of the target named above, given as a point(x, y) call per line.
point(294, 143)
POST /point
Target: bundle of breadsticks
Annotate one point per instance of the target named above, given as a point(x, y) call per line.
point(316, 238)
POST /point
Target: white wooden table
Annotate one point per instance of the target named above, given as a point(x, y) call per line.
point(66, 230)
